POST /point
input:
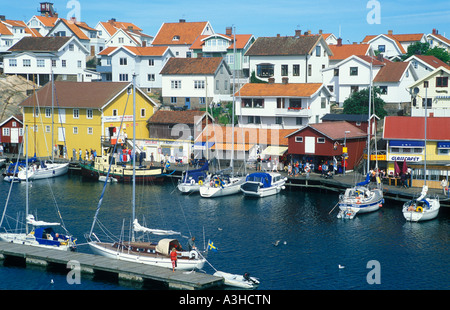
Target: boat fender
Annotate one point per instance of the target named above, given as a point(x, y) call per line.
point(193, 254)
point(419, 209)
point(192, 181)
point(200, 182)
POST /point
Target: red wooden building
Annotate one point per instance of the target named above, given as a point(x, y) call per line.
point(11, 134)
point(317, 143)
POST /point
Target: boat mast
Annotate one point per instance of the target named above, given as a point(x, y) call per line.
point(234, 102)
point(368, 127)
point(425, 138)
point(26, 182)
point(53, 113)
point(134, 156)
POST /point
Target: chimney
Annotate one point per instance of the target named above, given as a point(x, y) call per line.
point(298, 33)
point(339, 42)
point(434, 31)
point(285, 80)
point(229, 31)
point(320, 31)
point(390, 32)
point(130, 28)
point(112, 21)
point(309, 32)
point(278, 35)
point(271, 80)
point(380, 57)
point(182, 20)
point(2, 17)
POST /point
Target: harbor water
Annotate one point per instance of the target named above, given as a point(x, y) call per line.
point(289, 241)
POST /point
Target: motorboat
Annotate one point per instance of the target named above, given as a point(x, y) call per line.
point(221, 185)
point(263, 184)
point(235, 280)
point(422, 208)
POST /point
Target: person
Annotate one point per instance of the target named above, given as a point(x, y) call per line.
point(191, 244)
point(289, 169)
point(87, 155)
point(258, 163)
point(173, 258)
point(403, 178)
point(152, 158)
point(1, 149)
point(80, 152)
point(444, 184)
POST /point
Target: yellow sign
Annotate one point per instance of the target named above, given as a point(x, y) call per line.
point(375, 157)
point(344, 149)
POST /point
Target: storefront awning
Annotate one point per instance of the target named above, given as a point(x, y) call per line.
point(443, 145)
point(275, 150)
point(406, 143)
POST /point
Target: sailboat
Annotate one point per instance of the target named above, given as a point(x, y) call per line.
point(361, 198)
point(191, 180)
point(423, 208)
point(157, 254)
point(43, 233)
point(46, 168)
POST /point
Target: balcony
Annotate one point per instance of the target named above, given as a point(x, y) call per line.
point(104, 69)
point(215, 49)
point(294, 111)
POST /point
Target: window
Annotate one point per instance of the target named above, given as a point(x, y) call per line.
point(143, 112)
point(278, 120)
point(217, 84)
point(48, 128)
point(175, 84)
point(295, 104)
point(296, 70)
point(442, 81)
point(71, 47)
point(53, 63)
point(299, 121)
point(13, 62)
point(41, 63)
point(6, 132)
point(202, 100)
point(121, 40)
point(280, 103)
point(79, 63)
point(252, 103)
point(151, 62)
point(264, 70)
point(75, 130)
point(115, 112)
point(151, 77)
point(353, 71)
point(90, 131)
point(320, 140)
point(27, 62)
point(318, 49)
point(298, 139)
point(48, 112)
point(76, 113)
point(354, 89)
point(63, 63)
point(173, 99)
point(199, 84)
point(382, 48)
point(309, 70)
point(323, 102)
point(383, 90)
point(89, 113)
point(36, 111)
point(176, 38)
point(336, 72)
point(123, 61)
point(123, 77)
point(284, 70)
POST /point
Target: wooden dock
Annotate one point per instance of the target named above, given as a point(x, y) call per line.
point(92, 264)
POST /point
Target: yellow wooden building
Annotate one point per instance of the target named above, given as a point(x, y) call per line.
point(81, 115)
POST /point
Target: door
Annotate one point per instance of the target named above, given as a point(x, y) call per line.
point(61, 134)
point(187, 103)
point(14, 135)
point(310, 145)
point(61, 116)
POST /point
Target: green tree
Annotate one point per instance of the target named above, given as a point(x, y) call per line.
point(358, 103)
point(419, 48)
point(439, 53)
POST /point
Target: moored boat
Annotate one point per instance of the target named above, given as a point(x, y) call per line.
point(421, 209)
point(263, 184)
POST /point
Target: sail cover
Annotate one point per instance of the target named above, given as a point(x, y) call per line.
point(365, 182)
point(138, 228)
point(32, 221)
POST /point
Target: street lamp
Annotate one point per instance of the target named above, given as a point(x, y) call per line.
point(345, 147)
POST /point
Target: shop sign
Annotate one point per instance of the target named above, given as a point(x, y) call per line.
point(403, 157)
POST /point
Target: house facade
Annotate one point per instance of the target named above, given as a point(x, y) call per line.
point(423, 64)
point(65, 57)
point(301, 58)
point(326, 142)
point(11, 134)
point(12, 31)
point(282, 105)
point(180, 36)
point(115, 34)
point(86, 115)
point(392, 45)
point(438, 40)
point(406, 144)
point(194, 82)
point(434, 90)
point(118, 64)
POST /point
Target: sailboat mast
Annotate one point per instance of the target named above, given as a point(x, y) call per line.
point(26, 182)
point(370, 110)
point(134, 155)
point(234, 102)
point(425, 138)
point(53, 113)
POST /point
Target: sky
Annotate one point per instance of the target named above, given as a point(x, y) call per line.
point(352, 19)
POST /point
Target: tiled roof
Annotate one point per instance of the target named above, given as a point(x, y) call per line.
point(112, 26)
point(190, 66)
point(335, 130)
point(345, 117)
point(241, 41)
point(273, 46)
point(77, 94)
point(413, 128)
point(47, 21)
point(279, 90)
point(186, 33)
point(391, 72)
point(346, 50)
point(4, 31)
point(441, 37)
point(175, 117)
point(42, 44)
point(223, 134)
point(432, 61)
point(148, 50)
point(108, 50)
point(392, 37)
point(75, 29)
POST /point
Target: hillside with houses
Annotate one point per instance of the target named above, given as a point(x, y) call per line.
point(278, 85)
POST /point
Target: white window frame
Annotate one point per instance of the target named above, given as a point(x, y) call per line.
point(299, 139)
point(89, 114)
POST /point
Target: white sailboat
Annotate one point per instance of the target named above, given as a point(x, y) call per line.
point(157, 254)
point(423, 208)
point(361, 198)
point(43, 233)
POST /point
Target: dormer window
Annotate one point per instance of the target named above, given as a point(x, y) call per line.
point(176, 38)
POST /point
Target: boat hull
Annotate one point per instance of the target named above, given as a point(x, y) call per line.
point(233, 188)
point(160, 261)
point(25, 239)
point(370, 204)
point(124, 176)
point(424, 214)
point(50, 171)
point(187, 188)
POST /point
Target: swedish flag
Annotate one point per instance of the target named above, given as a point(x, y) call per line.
point(211, 246)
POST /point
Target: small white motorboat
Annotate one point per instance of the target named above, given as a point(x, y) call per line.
point(242, 281)
point(102, 178)
point(348, 213)
point(262, 184)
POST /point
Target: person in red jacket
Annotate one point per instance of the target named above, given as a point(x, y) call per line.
point(173, 258)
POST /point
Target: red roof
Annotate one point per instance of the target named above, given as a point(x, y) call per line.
point(413, 128)
point(336, 130)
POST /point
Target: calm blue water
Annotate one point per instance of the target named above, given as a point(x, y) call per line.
point(312, 243)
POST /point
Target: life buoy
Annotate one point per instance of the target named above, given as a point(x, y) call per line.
point(193, 254)
point(419, 209)
point(307, 169)
point(200, 182)
point(192, 181)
